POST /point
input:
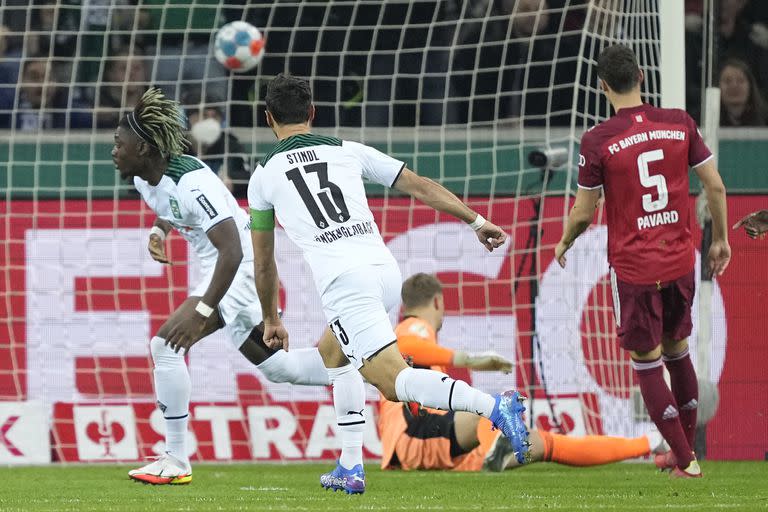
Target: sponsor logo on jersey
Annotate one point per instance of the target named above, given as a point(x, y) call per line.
point(207, 206)
point(360, 228)
point(175, 210)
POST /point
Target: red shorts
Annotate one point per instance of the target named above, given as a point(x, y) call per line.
point(647, 312)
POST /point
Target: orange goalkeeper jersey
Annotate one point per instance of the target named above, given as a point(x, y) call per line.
point(417, 342)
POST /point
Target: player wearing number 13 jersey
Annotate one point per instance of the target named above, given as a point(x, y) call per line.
point(314, 186)
point(640, 159)
point(328, 223)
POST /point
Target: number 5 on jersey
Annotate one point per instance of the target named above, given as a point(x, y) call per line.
point(334, 205)
point(649, 181)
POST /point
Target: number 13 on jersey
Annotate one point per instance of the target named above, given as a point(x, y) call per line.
point(333, 204)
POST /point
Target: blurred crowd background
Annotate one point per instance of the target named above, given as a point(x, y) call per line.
point(67, 64)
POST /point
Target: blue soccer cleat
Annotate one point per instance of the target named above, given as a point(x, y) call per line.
point(507, 416)
point(351, 481)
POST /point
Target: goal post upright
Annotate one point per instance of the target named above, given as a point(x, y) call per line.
point(672, 43)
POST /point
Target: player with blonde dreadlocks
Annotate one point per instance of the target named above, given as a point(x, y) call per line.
point(187, 195)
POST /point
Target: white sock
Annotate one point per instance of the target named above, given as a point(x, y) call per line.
point(173, 390)
point(299, 366)
point(349, 402)
point(176, 438)
point(437, 390)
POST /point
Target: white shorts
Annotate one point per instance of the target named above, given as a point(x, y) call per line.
point(240, 308)
point(356, 305)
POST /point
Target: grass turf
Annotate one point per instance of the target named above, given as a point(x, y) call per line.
point(726, 486)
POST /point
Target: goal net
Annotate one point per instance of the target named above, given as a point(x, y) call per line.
point(488, 97)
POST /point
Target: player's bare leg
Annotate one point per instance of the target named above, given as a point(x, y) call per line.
point(400, 383)
point(172, 386)
point(349, 403)
point(663, 410)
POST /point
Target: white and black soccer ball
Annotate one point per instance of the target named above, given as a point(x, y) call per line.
point(239, 46)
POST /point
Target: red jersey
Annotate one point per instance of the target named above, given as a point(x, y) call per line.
point(641, 158)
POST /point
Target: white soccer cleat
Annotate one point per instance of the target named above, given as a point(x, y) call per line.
point(166, 470)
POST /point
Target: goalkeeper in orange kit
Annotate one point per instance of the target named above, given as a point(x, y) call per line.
point(416, 438)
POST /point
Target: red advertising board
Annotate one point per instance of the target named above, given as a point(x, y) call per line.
point(81, 298)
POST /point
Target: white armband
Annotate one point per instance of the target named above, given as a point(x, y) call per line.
point(156, 230)
point(204, 309)
point(477, 223)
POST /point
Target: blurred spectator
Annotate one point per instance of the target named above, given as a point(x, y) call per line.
point(743, 37)
point(42, 27)
point(44, 102)
point(109, 27)
point(182, 46)
point(53, 27)
point(125, 79)
point(218, 148)
point(742, 34)
point(406, 72)
point(513, 70)
point(9, 75)
point(741, 103)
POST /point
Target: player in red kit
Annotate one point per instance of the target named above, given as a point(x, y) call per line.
point(640, 159)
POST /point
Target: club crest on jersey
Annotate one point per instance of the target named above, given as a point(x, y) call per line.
point(175, 210)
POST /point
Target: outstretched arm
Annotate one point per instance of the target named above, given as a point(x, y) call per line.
point(579, 219)
point(424, 353)
point(438, 197)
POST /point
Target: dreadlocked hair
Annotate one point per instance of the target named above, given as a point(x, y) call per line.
point(162, 119)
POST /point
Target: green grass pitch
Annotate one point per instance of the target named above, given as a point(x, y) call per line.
point(726, 486)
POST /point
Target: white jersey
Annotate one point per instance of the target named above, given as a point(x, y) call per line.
point(315, 186)
point(194, 200)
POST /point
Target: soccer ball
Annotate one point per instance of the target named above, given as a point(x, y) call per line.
point(239, 46)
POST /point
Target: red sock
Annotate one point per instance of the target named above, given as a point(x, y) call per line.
point(685, 388)
point(662, 408)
